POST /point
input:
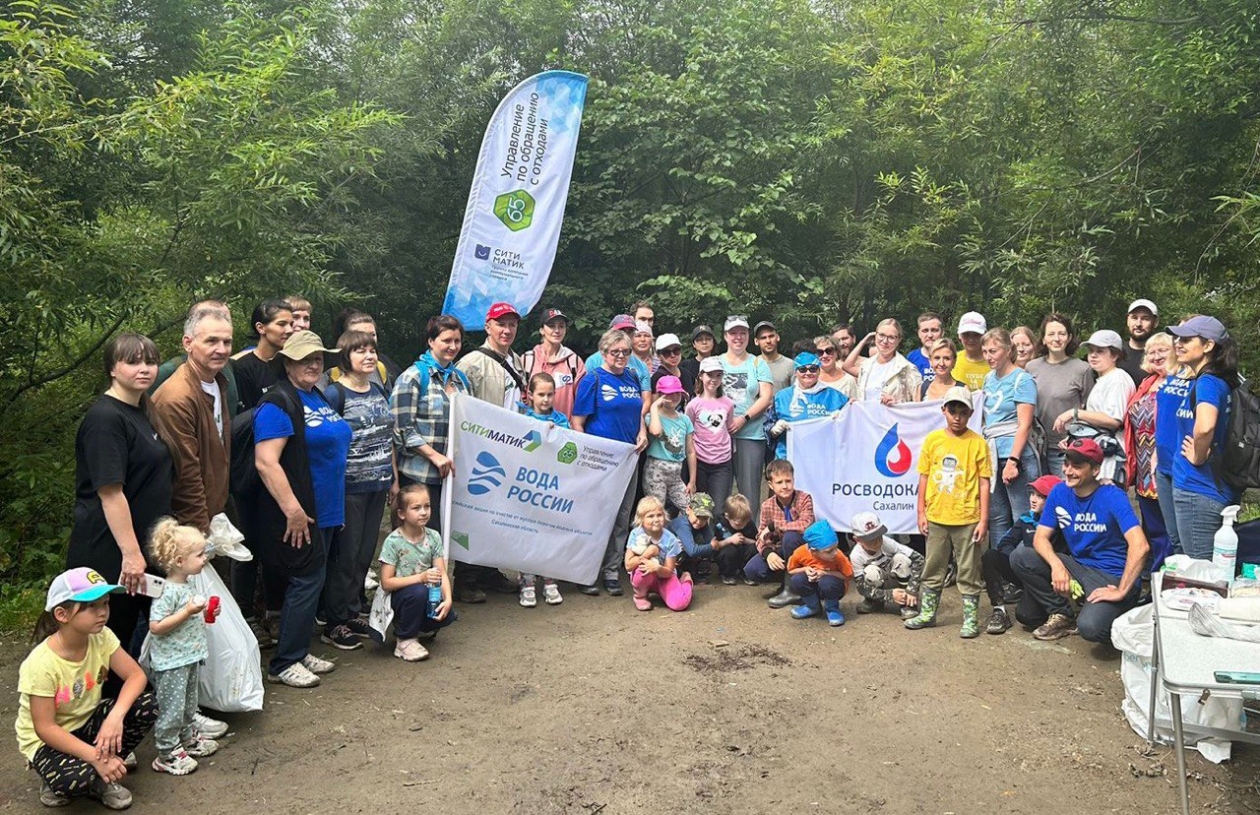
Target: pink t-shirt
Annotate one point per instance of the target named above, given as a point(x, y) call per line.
point(712, 418)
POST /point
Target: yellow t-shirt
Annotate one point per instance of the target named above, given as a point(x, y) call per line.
point(954, 466)
point(970, 373)
point(74, 687)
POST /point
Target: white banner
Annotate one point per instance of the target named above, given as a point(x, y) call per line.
point(865, 459)
point(516, 204)
point(530, 496)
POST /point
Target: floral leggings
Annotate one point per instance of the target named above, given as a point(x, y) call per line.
point(72, 777)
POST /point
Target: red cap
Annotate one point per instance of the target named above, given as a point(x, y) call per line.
point(1043, 485)
point(500, 310)
point(1087, 449)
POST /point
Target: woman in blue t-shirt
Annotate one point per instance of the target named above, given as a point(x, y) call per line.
point(1210, 356)
point(1010, 403)
point(610, 403)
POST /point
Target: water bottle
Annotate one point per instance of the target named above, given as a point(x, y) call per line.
point(1225, 543)
point(435, 595)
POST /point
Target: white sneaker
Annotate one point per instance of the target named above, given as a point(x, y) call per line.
point(370, 582)
point(295, 676)
point(177, 763)
point(410, 651)
point(111, 796)
point(551, 594)
point(316, 665)
point(528, 598)
point(200, 746)
point(210, 728)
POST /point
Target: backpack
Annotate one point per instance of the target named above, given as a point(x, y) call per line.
point(1237, 462)
point(336, 396)
point(242, 473)
point(527, 362)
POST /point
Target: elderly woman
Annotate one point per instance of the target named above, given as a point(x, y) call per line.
point(1063, 383)
point(887, 376)
point(1140, 444)
point(806, 398)
point(300, 450)
point(611, 403)
point(1010, 401)
point(1103, 416)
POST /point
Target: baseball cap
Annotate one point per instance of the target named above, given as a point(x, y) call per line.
point(710, 364)
point(1043, 485)
point(702, 505)
point(763, 324)
point(702, 329)
point(867, 525)
point(735, 321)
point(1105, 338)
point(669, 384)
point(82, 585)
point(958, 393)
point(642, 327)
point(554, 314)
point(304, 343)
point(805, 358)
point(1086, 449)
point(500, 310)
point(819, 535)
point(1209, 328)
point(621, 322)
point(972, 322)
point(1142, 302)
point(667, 341)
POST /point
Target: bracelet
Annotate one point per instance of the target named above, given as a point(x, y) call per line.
point(1015, 461)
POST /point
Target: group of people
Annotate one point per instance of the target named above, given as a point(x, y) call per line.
point(304, 445)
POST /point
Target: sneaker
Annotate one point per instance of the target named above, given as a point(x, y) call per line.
point(499, 582)
point(529, 598)
point(200, 746)
point(999, 622)
point(295, 676)
point(320, 621)
point(316, 665)
point(589, 590)
point(370, 582)
point(1012, 593)
point(210, 728)
point(177, 763)
point(613, 586)
point(470, 594)
point(131, 762)
point(410, 650)
point(642, 603)
point(259, 629)
point(748, 581)
point(51, 799)
point(360, 628)
point(111, 796)
point(729, 580)
point(341, 637)
point(551, 595)
point(1057, 627)
point(870, 605)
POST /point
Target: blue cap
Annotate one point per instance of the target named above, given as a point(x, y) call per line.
point(806, 358)
point(819, 535)
point(1209, 328)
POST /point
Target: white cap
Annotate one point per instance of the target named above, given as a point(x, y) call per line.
point(735, 322)
point(867, 525)
point(958, 393)
point(1106, 338)
point(666, 340)
point(710, 364)
point(972, 323)
point(642, 327)
point(1142, 302)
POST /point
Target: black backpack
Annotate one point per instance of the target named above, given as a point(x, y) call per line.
point(242, 474)
point(1237, 463)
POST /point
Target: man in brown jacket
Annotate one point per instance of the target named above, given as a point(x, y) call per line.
point(193, 406)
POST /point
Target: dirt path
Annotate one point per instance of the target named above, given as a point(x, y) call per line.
point(592, 708)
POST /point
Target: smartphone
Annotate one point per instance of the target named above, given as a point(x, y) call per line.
point(1237, 677)
point(152, 586)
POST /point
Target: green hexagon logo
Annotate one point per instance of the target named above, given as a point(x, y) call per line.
point(515, 209)
point(568, 454)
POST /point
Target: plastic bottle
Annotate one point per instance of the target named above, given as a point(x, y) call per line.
point(1225, 543)
point(435, 593)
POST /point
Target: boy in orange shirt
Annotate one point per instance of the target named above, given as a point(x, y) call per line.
point(818, 569)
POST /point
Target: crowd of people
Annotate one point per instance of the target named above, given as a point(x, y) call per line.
point(309, 448)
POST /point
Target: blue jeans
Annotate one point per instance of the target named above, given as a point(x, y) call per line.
point(1008, 502)
point(297, 614)
point(827, 588)
point(1198, 518)
point(757, 569)
point(1054, 461)
point(615, 554)
point(1155, 529)
point(1164, 491)
point(411, 612)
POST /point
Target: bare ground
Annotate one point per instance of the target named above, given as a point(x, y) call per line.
point(592, 707)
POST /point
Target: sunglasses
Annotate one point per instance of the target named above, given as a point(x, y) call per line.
point(619, 352)
point(671, 352)
point(826, 352)
point(807, 369)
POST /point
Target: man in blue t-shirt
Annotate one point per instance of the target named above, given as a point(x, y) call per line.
point(1106, 552)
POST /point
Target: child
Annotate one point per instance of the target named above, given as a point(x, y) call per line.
point(819, 569)
point(651, 555)
point(695, 530)
point(885, 571)
point(712, 414)
point(995, 564)
point(177, 647)
point(953, 507)
point(73, 739)
point(784, 517)
point(411, 562)
point(540, 405)
point(735, 540)
point(670, 442)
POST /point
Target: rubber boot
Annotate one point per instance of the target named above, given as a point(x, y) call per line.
point(807, 608)
point(785, 597)
point(929, 600)
point(971, 617)
point(834, 616)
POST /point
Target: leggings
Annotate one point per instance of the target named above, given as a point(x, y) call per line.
point(715, 479)
point(674, 592)
point(72, 777)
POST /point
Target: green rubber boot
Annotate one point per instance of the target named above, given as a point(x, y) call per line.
point(929, 600)
point(971, 617)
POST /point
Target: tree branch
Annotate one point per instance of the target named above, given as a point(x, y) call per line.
point(53, 376)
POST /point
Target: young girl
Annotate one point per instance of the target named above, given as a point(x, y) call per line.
point(670, 442)
point(541, 406)
point(654, 571)
point(711, 414)
point(177, 647)
point(411, 562)
point(73, 739)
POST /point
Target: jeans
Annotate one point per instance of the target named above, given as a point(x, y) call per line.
point(1054, 460)
point(1008, 502)
point(757, 569)
point(1094, 620)
point(750, 462)
point(297, 613)
point(1198, 518)
point(715, 479)
point(411, 612)
point(615, 554)
point(1155, 529)
point(1164, 492)
point(351, 556)
point(830, 589)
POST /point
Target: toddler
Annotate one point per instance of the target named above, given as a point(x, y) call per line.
point(735, 540)
point(817, 570)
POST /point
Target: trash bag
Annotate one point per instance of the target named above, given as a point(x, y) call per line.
point(225, 539)
point(381, 615)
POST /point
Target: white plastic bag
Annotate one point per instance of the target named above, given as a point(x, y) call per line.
point(381, 615)
point(225, 539)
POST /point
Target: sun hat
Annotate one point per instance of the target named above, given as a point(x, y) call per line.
point(81, 585)
point(304, 343)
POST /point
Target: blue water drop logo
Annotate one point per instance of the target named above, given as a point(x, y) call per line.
point(487, 475)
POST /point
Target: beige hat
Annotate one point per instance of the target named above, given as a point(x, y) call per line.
point(958, 394)
point(304, 343)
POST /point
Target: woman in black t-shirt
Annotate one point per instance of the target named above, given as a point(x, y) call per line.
point(123, 480)
point(257, 368)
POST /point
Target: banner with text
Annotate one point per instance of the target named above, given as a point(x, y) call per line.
point(516, 204)
point(865, 459)
point(530, 496)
